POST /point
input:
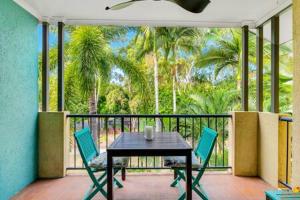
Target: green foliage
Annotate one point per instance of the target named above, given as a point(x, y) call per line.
point(89, 54)
point(117, 101)
point(199, 68)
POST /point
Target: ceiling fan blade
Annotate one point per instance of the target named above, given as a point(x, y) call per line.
point(194, 6)
point(122, 5)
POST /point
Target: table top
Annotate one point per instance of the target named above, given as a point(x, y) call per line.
point(161, 141)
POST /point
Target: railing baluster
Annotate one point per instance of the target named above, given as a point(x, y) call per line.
point(177, 125)
point(82, 123)
point(208, 125)
point(106, 131)
point(193, 133)
point(130, 128)
point(146, 156)
point(74, 143)
point(98, 133)
point(200, 127)
point(216, 146)
point(132, 123)
point(208, 122)
point(114, 128)
point(157, 129)
point(138, 124)
point(185, 136)
point(138, 121)
point(223, 140)
point(287, 153)
point(122, 124)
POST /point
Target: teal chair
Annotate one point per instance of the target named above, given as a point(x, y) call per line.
point(96, 162)
point(202, 152)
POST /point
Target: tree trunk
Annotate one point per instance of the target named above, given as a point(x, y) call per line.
point(174, 95)
point(157, 121)
point(93, 104)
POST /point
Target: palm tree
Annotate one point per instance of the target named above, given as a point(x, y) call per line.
point(147, 42)
point(224, 51)
point(93, 59)
point(176, 41)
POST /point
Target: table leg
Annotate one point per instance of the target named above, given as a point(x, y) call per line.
point(109, 176)
point(189, 176)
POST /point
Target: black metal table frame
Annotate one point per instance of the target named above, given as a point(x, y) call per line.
point(146, 152)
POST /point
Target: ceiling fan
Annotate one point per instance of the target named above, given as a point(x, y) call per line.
point(194, 6)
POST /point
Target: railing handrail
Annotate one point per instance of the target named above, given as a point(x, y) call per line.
point(152, 115)
point(286, 119)
point(105, 128)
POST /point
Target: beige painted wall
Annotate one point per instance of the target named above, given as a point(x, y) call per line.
point(258, 146)
point(268, 130)
point(296, 97)
point(53, 143)
point(244, 143)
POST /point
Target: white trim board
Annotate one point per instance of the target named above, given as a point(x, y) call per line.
point(29, 8)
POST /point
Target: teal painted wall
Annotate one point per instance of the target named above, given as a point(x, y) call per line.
point(18, 98)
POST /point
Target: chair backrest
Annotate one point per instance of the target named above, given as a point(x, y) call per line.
point(206, 145)
point(86, 145)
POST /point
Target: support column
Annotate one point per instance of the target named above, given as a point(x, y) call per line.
point(45, 67)
point(275, 64)
point(53, 143)
point(243, 148)
point(60, 68)
point(245, 68)
point(296, 96)
point(259, 68)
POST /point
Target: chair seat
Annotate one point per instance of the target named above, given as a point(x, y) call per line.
point(100, 162)
point(179, 161)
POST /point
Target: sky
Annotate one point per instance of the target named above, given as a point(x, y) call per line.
point(53, 39)
point(115, 45)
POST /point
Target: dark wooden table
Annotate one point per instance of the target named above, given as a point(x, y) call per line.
point(164, 144)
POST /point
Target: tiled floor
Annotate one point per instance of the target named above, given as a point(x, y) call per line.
point(147, 187)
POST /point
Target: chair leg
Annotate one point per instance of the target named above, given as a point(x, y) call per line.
point(182, 196)
point(200, 192)
point(99, 188)
point(180, 175)
point(117, 182)
point(123, 174)
point(100, 178)
point(175, 174)
point(176, 179)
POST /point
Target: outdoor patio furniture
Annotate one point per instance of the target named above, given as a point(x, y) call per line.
point(163, 144)
point(202, 152)
point(281, 195)
point(96, 162)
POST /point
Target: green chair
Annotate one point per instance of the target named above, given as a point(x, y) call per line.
point(96, 162)
point(202, 152)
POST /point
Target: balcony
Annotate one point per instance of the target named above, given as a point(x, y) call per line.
point(255, 151)
point(147, 178)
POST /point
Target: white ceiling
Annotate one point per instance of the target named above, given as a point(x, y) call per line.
point(219, 13)
point(286, 27)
